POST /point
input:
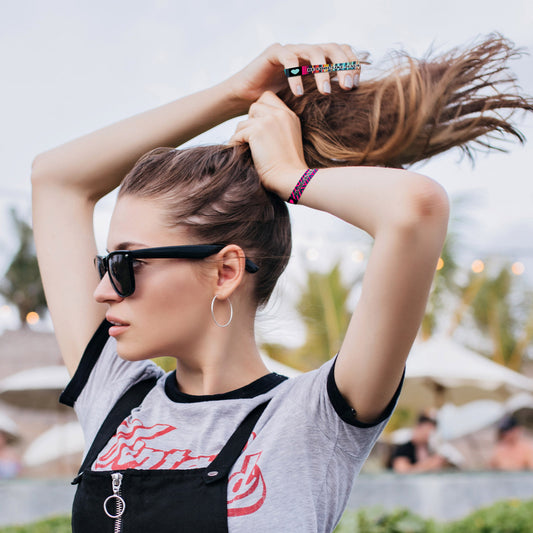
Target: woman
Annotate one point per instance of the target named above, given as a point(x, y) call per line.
point(222, 444)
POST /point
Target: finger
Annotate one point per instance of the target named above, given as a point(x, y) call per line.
point(354, 56)
point(290, 60)
point(339, 55)
point(260, 111)
point(237, 138)
point(241, 125)
point(241, 133)
point(315, 55)
point(349, 79)
point(363, 58)
point(271, 99)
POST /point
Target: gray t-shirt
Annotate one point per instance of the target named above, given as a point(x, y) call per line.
point(294, 475)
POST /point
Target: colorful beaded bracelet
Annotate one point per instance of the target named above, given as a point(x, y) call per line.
point(301, 185)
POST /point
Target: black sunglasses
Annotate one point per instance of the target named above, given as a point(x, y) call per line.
point(119, 264)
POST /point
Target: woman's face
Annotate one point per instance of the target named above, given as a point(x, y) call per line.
point(170, 308)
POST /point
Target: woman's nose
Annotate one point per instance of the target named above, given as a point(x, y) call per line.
point(104, 291)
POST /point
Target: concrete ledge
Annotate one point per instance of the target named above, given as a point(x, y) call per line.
point(28, 500)
point(443, 497)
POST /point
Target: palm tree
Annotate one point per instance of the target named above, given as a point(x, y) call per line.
point(445, 287)
point(490, 299)
point(21, 284)
point(322, 307)
point(444, 284)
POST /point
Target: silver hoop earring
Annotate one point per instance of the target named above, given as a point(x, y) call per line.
point(213, 313)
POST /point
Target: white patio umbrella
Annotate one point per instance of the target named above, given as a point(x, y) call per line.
point(38, 388)
point(440, 371)
point(56, 443)
point(459, 421)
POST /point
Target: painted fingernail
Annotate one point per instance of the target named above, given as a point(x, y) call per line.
point(299, 90)
point(348, 81)
point(326, 87)
point(356, 80)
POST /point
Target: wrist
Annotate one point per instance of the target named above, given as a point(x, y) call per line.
point(234, 103)
point(290, 178)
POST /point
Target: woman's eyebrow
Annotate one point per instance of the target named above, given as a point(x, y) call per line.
point(127, 245)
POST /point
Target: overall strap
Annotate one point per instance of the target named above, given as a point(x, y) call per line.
point(133, 397)
point(221, 465)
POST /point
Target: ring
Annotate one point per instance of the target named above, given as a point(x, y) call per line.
point(328, 67)
point(120, 503)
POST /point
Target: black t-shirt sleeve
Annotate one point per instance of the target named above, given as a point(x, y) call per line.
point(347, 414)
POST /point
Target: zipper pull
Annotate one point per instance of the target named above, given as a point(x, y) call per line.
point(120, 503)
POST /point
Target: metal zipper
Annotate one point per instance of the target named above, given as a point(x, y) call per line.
point(120, 504)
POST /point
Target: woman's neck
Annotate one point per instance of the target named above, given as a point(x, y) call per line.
point(225, 361)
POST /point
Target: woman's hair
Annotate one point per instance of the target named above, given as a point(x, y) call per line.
point(215, 193)
point(417, 109)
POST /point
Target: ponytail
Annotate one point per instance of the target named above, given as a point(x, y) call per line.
point(419, 108)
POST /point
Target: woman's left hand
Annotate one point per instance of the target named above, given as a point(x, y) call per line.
point(273, 132)
point(266, 72)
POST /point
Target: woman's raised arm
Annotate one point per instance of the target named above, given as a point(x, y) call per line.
point(406, 214)
point(67, 181)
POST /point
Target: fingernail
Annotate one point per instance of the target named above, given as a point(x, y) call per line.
point(348, 81)
point(356, 80)
point(326, 87)
point(299, 90)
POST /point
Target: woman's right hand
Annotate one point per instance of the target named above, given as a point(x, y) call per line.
point(266, 72)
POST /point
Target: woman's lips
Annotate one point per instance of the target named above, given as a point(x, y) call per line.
point(114, 331)
point(117, 326)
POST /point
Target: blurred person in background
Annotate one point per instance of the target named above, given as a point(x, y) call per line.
point(513, 450)
point(416, 455)
point(9, 459)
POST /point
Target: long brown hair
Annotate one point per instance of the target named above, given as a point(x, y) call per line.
point(418, 109)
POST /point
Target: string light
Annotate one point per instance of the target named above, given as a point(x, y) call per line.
point(312, 254)
point(357, 256)
point(32, 318)
point(518, 268)
point(478, 266)
point(440, 263)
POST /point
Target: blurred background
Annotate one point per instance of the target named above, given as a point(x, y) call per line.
point(71, 67)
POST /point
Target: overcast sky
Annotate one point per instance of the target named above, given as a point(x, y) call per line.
point(70, 67)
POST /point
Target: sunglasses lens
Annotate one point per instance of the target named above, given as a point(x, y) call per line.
point(100, 266)
point(119, 272)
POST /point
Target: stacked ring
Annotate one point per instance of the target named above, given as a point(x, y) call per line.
point(313, 69)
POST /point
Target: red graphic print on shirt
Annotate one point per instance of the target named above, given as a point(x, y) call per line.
point(132, 447)
point(246, 488)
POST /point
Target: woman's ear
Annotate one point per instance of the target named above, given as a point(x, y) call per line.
point(230, 270)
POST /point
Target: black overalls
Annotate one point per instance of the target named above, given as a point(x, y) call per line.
point(135, 501)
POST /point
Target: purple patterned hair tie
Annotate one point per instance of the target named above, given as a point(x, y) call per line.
point(301, 185)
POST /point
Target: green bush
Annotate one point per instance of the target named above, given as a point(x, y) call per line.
point(55, 524)
point(377, 520)
point(512, 516)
